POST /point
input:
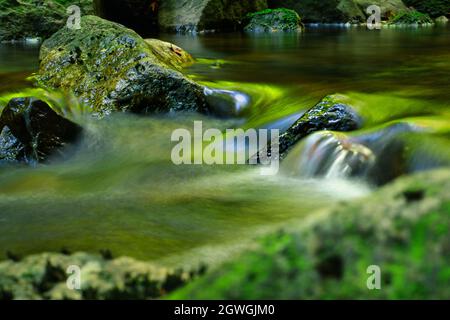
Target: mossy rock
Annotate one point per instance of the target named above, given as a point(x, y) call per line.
point(20, 19)
point(403, 229)
point(331, 113)
point(410, 17)
point(434, 8)
point(206, 15)
point(45, 276)
point(272, 20)
point(333, 11)
point(111, 68)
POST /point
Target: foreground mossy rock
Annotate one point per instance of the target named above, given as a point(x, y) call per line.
point(332, 113)
point(30, 131)
point(272, 20)
point(45, 276)
point(403, 229)
point(20, 19)
point(332, 11)
point(113, 69)
point(201, 15)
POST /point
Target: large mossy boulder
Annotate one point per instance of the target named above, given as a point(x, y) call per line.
point(31, 132)
point(332, 113)
point(403, 231)
point(201, 15)
point(332, 11)
point(273, 20)
point(111, 68)
point(45, 276)
point(20, 19)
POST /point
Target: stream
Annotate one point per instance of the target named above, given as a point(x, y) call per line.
point(119, 190)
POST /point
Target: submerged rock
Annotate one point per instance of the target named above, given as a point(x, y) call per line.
point(330, 114)
point(111, 68)
point(402, 230)
point(272, 20)
point(45, 276)
point(36, 18)
point(206, 15)
point(32, 132)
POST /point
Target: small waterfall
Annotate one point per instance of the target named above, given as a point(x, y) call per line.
point(330, 155)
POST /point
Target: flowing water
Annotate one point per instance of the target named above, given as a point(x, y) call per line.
point(119, 190)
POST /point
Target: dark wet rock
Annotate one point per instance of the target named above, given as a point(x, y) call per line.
point(206, 15)
point(273, 20)
point(45, 276)
point(226, 103)
point(139, 15)
point(328, 256)
point(32, 132)
point(333, 11)
point(111, 68)
point(329, 114)
point(36, 18)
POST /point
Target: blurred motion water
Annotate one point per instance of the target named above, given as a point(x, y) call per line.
point(118, 189)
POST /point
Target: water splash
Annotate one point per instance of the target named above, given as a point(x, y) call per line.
point(330, 155)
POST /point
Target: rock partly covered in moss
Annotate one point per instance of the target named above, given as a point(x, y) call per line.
point(20, 19)
point(332, 113)
point(401, 231)
point(434, 8)
point(30, 131)
point(441, 20)
point(171, 54)
point(272, 20)
point(332, 11)
point(113, 69)
point(46, 276)
point(206, 15)
point(410, 17)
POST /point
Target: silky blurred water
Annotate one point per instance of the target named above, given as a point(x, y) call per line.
point(119, 190)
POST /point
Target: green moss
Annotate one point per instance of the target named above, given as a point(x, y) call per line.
point(411, 16)
point(273, 20)
point(328, 257)
point(433, 8)
point(44, 276)
point(35, 18)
